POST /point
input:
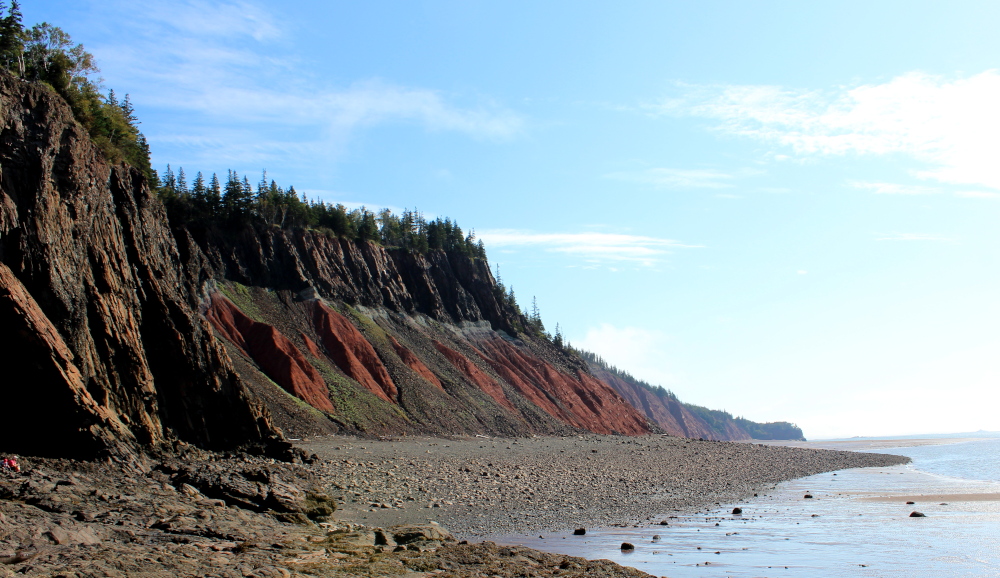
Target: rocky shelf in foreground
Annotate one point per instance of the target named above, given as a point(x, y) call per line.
point(196, 513)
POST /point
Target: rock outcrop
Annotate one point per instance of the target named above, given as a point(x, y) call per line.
point(131, 332)
point(272, 351)
point(109, 334)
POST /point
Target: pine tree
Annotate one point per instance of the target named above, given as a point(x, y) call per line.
point(12, 39)
point(215, 197)
point(557, 340)
point(182, 187)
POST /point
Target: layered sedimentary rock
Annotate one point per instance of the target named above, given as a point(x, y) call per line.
point(132, 332)
point(280, 359)
point(112, 322)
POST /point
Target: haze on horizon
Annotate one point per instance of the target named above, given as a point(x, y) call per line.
point(784, 210)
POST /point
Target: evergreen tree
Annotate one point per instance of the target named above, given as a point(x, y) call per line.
point(12, 39)
point(214, 197)
point(182, 188)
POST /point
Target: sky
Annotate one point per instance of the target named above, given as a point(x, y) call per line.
point(786, 210)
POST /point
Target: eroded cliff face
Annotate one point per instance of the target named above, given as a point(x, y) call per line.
point(115, 353)
point(667, 411)
point(131, 334)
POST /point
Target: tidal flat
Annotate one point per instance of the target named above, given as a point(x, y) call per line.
point(487, 486)
point(200, 513)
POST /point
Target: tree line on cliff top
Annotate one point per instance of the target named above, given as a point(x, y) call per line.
point(237, 204)
point(46, 54)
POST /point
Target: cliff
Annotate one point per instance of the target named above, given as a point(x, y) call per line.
point(102, 340)
point(126, 330)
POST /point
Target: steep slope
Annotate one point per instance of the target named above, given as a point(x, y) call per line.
point(137, 331)
point(684, 419)
point(114, 352)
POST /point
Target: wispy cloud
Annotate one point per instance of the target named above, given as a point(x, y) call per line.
point(232, 81)
point(912, 237)
point(676, 178)
point(952, 125)
point(883, 188)
point(880, 188)
point(590, 246)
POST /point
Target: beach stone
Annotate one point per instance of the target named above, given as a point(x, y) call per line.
point(910, 503)
point(383, 538)
point(916, 514)
point(420, 533)
point(627, 547)
point(737, 511)
point(580, 532)
point(808, 496)
point(656, 538)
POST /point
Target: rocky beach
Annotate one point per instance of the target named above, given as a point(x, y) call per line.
point(416, 507)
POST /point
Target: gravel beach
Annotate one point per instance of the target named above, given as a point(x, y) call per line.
point(479, 487)
point(203, 514)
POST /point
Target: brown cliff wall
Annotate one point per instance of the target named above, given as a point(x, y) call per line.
point(88, 243)
point(579, 400)
point(100, 301)
point(446, 287)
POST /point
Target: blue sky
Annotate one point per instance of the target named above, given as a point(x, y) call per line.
point(787, 210)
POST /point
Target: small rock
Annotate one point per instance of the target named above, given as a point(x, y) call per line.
point(916, 514)
point(808, 496)
point(910, 503)
point(579, 532)
point(627, 547)
point(656, 538)
point(737, 511)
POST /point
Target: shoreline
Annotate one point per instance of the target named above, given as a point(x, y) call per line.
point(857, 522)
point(194, 513)
point(482, 487)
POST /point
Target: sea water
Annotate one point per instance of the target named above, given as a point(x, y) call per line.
point(857, 523)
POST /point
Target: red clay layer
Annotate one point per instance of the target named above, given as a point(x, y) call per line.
point(276, 355)
point(414, 363)
point(352, 353)
point(475, 375)
point(581, 401)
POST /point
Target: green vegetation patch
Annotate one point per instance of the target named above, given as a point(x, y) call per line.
point(244, 298)
point(354, 404)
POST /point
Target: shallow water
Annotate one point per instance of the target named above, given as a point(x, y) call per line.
point(857, 524)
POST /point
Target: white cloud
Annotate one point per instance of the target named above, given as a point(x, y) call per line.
point(225, 19)
point(226, 75)
point(591, 246)
point(894, 188)
point(951, 125)
point(632, 349)
point(912, 237)
point(977, 194)
point(676, 178)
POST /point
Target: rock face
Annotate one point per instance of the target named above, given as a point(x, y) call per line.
point(665, 410)
point(108, 329)
point(352, 352)
point(275, 353)
point(133, 332)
